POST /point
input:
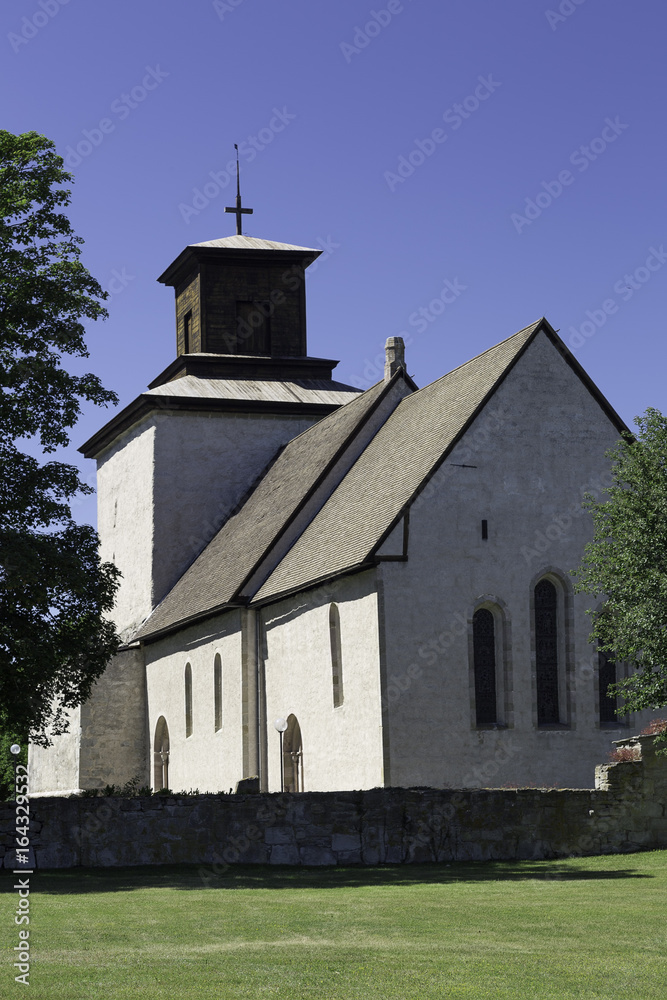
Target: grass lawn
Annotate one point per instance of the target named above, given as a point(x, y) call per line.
point(593, 928)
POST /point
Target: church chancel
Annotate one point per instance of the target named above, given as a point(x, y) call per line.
point(378, 569)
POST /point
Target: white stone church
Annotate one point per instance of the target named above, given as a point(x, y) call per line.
point(388, 571)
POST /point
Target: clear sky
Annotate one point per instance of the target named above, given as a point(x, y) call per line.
point(468, 166)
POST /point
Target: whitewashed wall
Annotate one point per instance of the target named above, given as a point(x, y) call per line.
point(539, 444)
point(342, 747)
point(166, 486)
point(125, 520)
point(56, 770)
point(208, 760)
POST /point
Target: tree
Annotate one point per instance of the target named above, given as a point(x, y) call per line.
point(626, 563)
point(54, 591)
point(8, 762)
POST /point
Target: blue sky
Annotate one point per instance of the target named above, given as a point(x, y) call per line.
point(468, 165)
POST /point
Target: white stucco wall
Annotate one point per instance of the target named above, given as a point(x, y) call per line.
point(208, 760)
point(536, 448)
point(204, 464)
point(342, 747)
point(164, 488)
point(55, 770)
point(125, 477)
point(168, 484)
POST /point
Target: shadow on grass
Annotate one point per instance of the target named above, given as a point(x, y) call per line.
point(83, 880)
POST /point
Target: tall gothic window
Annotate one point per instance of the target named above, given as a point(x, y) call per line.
point(607, 676)
point(546, 652)
point(484, 659)
point(188, 700)
point(336, 655)
point(217, 691)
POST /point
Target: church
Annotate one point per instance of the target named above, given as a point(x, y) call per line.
point(326, 588)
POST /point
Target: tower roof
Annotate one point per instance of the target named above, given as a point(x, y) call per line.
point(229, 249)
point(252, 243)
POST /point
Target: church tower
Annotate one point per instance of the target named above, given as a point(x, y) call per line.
point(177, 462)
point(174, 465)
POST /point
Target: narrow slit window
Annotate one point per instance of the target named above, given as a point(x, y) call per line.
point(217, 691)
point(188, 700)
point(485, 529)
point(187, 332)
point(336, 656)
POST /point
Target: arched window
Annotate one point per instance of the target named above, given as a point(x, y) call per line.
point(546, 652)
point(607, 676)
point(292, 756)
point(217, 691)
point(484, 658)
point(161, 755)
point(188, 700)
point(336, 655)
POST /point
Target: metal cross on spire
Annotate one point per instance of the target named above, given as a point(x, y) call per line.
point(238, 211)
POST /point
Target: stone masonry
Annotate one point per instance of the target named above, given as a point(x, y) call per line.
point(627, 811)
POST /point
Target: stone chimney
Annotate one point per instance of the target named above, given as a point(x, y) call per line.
point(394, 350)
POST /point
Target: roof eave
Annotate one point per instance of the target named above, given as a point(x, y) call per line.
point(194, 254)
point(161, 633)
point(597, 393)
point(359, 567)
point(146, 404)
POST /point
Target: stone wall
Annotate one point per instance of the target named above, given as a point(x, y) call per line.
point(625, 812)
point(106, 743)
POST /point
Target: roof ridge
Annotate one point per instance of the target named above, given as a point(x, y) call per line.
point(482, 353)
point(334, 537)
point(333, 413)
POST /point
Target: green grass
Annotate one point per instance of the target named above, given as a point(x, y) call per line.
point(593, 928)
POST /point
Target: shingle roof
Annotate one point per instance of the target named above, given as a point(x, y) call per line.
point(270, 390)
point(218, 573)
point(401, 456)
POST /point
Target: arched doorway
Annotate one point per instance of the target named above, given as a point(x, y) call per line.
point(293, 756)
point(161, 755)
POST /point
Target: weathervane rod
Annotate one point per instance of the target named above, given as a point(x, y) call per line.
point(238, 211)
point(238, 176)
